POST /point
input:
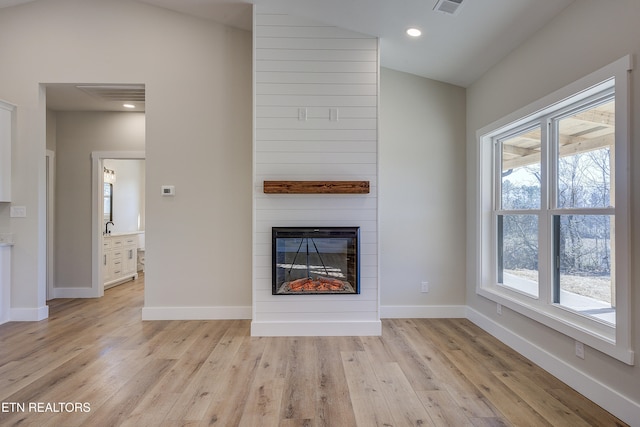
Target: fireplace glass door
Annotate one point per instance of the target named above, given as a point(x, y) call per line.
point(321, 260)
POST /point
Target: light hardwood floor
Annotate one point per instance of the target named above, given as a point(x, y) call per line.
point(176, 373)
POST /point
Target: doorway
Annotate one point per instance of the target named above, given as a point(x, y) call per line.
point(83, 119)
point(131, 218)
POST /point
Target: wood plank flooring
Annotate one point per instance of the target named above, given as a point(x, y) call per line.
point(95, 363)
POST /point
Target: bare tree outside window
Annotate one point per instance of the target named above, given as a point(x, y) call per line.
point(582, 185)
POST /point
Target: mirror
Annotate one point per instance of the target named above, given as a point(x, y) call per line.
point(108, 202)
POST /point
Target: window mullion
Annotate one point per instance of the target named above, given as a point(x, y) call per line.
point(545, 261)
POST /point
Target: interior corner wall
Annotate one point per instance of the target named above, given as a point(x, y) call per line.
point(422, 196)
point(197, 76)
point(586, 36)
point(301, 64)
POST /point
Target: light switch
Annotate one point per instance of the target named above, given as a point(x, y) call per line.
point(18, 212)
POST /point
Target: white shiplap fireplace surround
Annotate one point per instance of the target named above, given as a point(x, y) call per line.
point(316, 118)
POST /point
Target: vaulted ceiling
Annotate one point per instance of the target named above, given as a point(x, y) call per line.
point(456, 49)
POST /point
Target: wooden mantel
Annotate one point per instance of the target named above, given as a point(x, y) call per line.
point(316, 187)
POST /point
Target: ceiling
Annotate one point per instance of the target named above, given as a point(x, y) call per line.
point(456, 49)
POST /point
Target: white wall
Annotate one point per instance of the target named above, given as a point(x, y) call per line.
point(304, 64)
point(586, 36)
point(198, 131)
point(78, 135)
point(422, 196)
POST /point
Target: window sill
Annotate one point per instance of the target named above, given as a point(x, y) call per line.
point(565, 322)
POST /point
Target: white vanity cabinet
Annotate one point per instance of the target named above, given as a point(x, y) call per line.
point(119, 259)
point(6, 137)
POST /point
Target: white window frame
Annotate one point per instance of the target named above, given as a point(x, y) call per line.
point(614, 341)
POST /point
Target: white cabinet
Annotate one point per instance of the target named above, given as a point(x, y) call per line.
point(119, 259)
point(5, 281)
point(6, 136)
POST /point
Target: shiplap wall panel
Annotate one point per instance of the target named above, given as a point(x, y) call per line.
point(304, 64)
point(291, 112)
point(317, 43)
point(315, 158)
point(318, 203)
point(317, 78)
point(317, 66)
point(313, 146)
point(316, 55)
point(304, 31)
point(286, 20)
point(304, 89)
point(315, 172)
point(316, 124)
point(296, 134)
point(320, 100)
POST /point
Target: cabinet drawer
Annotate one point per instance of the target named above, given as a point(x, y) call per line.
point(117, 267)
point(117, 254)
point(117, 242)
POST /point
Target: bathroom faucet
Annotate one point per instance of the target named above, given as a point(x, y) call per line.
point(106, 227)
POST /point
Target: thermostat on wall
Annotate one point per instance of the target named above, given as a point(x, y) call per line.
point(168, 190)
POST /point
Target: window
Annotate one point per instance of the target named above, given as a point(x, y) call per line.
point(553, 217)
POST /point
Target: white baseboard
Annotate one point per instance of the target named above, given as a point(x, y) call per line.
point(423, 312)
point(611, 400)
point(614, 402)
point(316, 329)
point(28, 314)
point(196, 313)
point(74, 293)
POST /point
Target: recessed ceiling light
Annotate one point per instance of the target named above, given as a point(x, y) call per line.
point(128, 106)
point(414, 32)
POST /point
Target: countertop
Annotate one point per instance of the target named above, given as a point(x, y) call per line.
point(123, 233)
point(6, 239)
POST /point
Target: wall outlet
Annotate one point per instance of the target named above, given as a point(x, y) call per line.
point(302, 114)
point(579, 350)
point(499, 309)
point(424, 287)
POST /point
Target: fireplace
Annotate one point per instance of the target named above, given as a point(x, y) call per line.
point(315, 260)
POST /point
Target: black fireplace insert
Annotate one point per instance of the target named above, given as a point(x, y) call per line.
point(315, 260)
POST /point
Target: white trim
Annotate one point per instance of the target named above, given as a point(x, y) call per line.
point(423, 311)
point(603, 395)
point(377, 191)
point(97, 182)
point(316, 329)
point(5, 151)
point(5, 284)
point(29, 314)
point(51, 193)
point(196, 313)
point(615, 342)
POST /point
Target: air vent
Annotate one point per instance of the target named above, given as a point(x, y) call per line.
point(450, 7)
point(120, 93)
